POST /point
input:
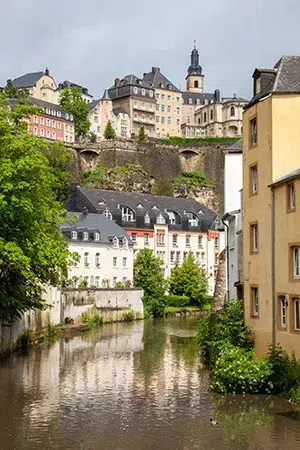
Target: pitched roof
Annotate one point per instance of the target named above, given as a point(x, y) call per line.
point(46, 105)
point(96, 200)
point(200, 96)
point(91, 105)
point(131, 80)
point(157, 80)
point(237, 147)
point(286, 178)
point(234, 99)
point(283, 78)
point(95, 223)
point(66, 84)
point(28, 80)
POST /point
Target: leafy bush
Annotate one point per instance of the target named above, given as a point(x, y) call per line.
point(91, 321)
point(193, 179)
point(51, 333)
point(221, 328)
point(156, 307)
point(236, 372)
point(128, 316)
point(177, 300)
point(295, 394)
point(148, 275)
point(189, 280)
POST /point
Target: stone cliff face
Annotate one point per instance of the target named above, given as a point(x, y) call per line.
point(163, 163)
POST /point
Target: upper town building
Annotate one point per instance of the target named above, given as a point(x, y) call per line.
point(171, 227)
point(168, 104)
point(53, 123)
point(207, 114)
point(105, 251)
point(271, 206)
point(101, 112)
point(84, 91)
point(40, 85)
point(137, 98)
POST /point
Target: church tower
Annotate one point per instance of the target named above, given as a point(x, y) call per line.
point(195, 79)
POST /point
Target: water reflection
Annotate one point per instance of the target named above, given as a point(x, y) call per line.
point(136, 385)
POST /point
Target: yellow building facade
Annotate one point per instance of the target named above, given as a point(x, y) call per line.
point(271, 137)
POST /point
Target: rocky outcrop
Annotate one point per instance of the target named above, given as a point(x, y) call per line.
point(202, 194)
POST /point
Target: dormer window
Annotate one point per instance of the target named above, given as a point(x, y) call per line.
point(53, 112)
point(160, 219)
point(85, 236)
point(172, 217)
point(115, 242)
point(147, 218)
point(143, 91)
point(96, 237)
point(127, 214)
point(154, 207)
point(107, 214)
point(257, 86)
point(140, 206)
point(190, 101)
point(74, 235)
point(135, 90)
point(48, 111)
point(125, 243)
point(71, 117)
point(58, 114)
point(192, 218)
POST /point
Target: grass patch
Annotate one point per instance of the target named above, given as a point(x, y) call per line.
point(51, 333)
point(128, 316)
point(184, 309)
point(92, 321)
point(191, 142)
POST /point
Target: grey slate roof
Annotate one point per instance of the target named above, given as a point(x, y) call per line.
point(235, 99)
point(156, 79)
point(119, 110)
point(28, 80)
point(133, 81)
point(51, 106)
point(286, 178)
point(93, 223)
point(96, 200)
point(283, 78)
point(237, 147)
point(91, 105)
point(105, 95)
point(66, 84)
point(197, 96)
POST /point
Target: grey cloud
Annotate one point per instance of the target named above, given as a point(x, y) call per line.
point(94, 41)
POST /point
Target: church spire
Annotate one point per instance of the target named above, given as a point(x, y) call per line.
point(195, 68)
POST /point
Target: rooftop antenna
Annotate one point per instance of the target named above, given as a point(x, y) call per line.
point(195, 42)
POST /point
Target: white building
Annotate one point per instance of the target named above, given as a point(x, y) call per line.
point(233, 182)
point(105, 251)
point(171, 227)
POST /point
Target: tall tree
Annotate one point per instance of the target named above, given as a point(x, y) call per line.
point(190, 280)
point(109, 132)
point(33, 251)
point(142, 134)
point(71, 100)
point(148, 275)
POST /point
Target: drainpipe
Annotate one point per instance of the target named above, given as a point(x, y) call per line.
point(273, 268)
point(227, 258)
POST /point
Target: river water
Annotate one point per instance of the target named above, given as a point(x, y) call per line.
point(131, 386)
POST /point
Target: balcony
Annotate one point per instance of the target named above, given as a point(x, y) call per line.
point(146, 121)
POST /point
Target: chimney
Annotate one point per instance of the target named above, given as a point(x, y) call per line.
point(85, 211)
point(117, 82)
point(47, 72)
point(144, 74)
point(155, 69)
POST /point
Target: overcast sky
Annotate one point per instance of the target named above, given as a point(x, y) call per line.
point(92, 42)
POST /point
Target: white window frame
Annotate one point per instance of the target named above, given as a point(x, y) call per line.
point(74, 235)
point(85, 236)
point(147, 218)
point(97, 259)
point(254, 237)
point(107, 214)
point(115, 261)
point(124, 262)
point(283, 312)
point(134, 237)
point(160, 220)
point(115, 242)
point(296, 262)
point(188, 240)
point(96, 237)
point(255, 301)
point(291, 188)
point(296, 319)
point(175, 240)
point(254, 179)
point(200, 241)
point(97, 281)
point(127, 214)
point(86, 259)
point(146, 239)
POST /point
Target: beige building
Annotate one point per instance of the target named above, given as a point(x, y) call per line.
point(271, 203)
point(168, 104)
point(220, 118)
point(137, 99)
point(101, 112)
point(40, 85)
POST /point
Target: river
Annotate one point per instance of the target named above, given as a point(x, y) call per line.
point(131, 386)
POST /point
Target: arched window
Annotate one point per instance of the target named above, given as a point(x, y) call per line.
point(190, 101)
point(97, 260)
point(86, 259)
point(204, 118)
point(198, 101)
point(211, 114)
point(232, 111)
point(127, 214)
point(160, 219)
point(147, 218)
point(196, 84)
point(115, 242)
point(199, 120)
point(74, 235)
point(193, 219)
point(107, 214)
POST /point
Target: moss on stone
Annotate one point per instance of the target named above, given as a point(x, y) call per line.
point(191, 142)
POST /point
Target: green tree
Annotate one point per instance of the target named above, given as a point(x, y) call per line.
point(33, 251)
point(15, 93)
point(142, 134)
point(72, 101)
point(109, 132)
point(148, 275)
point(190, 280)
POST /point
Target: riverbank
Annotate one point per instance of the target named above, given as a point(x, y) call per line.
point(173, 311)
